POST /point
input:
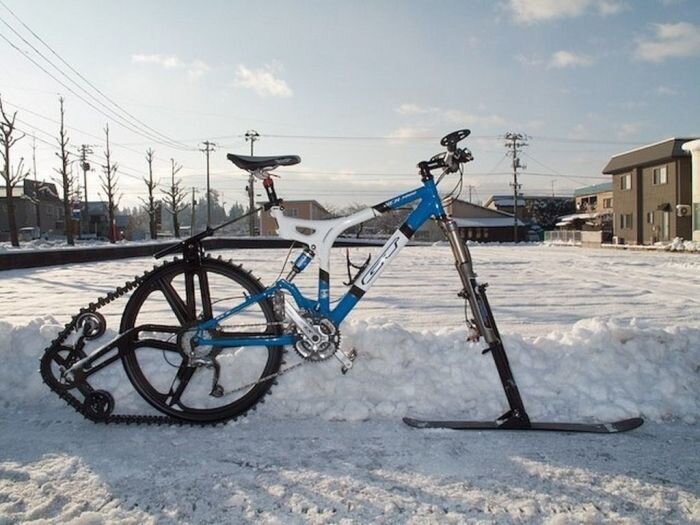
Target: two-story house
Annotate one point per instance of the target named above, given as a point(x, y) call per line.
point(652, 193)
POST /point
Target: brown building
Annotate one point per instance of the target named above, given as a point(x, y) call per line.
point(597, 198)
point(476, 223)
point(652, 193)
point(36, 204)
point(307, 209)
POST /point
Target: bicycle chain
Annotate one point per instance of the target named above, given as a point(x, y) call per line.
point(79, 406)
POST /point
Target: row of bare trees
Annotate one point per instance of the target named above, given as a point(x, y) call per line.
point(13, 176)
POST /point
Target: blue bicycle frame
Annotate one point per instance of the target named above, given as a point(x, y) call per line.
point(429, 206)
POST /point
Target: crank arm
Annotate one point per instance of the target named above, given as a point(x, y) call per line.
point(305, 327)
point(347, 360)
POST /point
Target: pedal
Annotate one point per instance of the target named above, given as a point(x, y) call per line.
point(347, 360)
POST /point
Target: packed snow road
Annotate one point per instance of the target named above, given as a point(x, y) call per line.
point(590, 334)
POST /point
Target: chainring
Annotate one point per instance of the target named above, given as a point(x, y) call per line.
point(318, 351)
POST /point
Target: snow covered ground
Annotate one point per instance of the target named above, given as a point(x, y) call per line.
point(590, 333)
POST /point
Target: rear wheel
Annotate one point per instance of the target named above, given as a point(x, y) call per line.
point(182, 294)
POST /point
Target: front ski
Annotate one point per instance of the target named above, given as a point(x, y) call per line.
point(599, 428)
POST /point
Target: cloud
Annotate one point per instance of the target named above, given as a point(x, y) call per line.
point(263, 81)
point(165, 61)
point(629, 129)
point(562, 59)
point(528, 12)
point(410, 133)
point(531, 61)
point(670, 41)
point(666, 91)
point(452, 116)
point(415, 109)
point(195, 69)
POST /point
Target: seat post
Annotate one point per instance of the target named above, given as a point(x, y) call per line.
point(269, 186)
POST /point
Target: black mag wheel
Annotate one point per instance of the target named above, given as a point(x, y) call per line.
point(181, 294)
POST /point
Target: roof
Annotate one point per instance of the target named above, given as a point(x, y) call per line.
point(592, 190)
point(45, 191)
point(507, 200)
point(486, 212)
point(504, 200)
point(487, 222)
point(647, 155)
point(304, 201)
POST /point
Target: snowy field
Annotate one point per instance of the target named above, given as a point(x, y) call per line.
point(590, 334)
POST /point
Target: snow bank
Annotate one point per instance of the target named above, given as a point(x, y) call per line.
point(679, 245)
point(598, 369)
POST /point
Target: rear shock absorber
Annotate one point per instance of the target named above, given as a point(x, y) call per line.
point(300, 263)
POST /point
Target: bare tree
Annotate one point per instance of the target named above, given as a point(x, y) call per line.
point(66, 180)
point(175, 197)
point(151, 203)
point(11, 177)
point(109, 186)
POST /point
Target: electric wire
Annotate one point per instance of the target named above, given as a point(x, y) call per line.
point(115, 116)
point(76, 72)
point(81, 76)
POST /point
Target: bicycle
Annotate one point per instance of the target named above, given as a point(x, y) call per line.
point(243, 345)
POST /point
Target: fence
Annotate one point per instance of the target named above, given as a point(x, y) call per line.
point(563, 237)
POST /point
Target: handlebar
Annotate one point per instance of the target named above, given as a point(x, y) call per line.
point(449, 161)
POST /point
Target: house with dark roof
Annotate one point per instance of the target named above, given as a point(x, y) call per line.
point(36, 204)
point(477, 223)
point(300, 209)
point(652, 193)
point(541, 210)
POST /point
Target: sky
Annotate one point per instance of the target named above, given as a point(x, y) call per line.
point(361, 91)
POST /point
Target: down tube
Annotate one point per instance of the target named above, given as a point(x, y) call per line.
point(390, 249)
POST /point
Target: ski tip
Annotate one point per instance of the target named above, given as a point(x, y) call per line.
point(626, 424)
point(417, 423)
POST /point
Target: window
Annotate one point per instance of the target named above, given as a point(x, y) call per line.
point(696, 216)
point(292, 212)
point(650, 217)
point(660, 175)
point(626, 181)
point(607, 203)
point(625, 221)
point(666, 226)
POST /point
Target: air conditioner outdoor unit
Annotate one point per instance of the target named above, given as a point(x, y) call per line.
point(683, 210)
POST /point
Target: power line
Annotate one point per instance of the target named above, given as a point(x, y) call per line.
point(157, 133)
point(115, 116)
point(86, 133)
point(81, 76)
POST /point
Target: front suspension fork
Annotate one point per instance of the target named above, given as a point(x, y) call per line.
point(485, 324)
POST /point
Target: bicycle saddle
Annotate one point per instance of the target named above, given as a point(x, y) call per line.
point(246, 162)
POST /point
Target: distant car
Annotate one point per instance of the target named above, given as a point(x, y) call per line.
point(29, 233)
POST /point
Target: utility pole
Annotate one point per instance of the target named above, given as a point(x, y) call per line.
point(209, 147)
point(470, 193)
point(37, 197)
point(515, 142)
point(194, 203)
point(252, 136)
point(85, 150)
